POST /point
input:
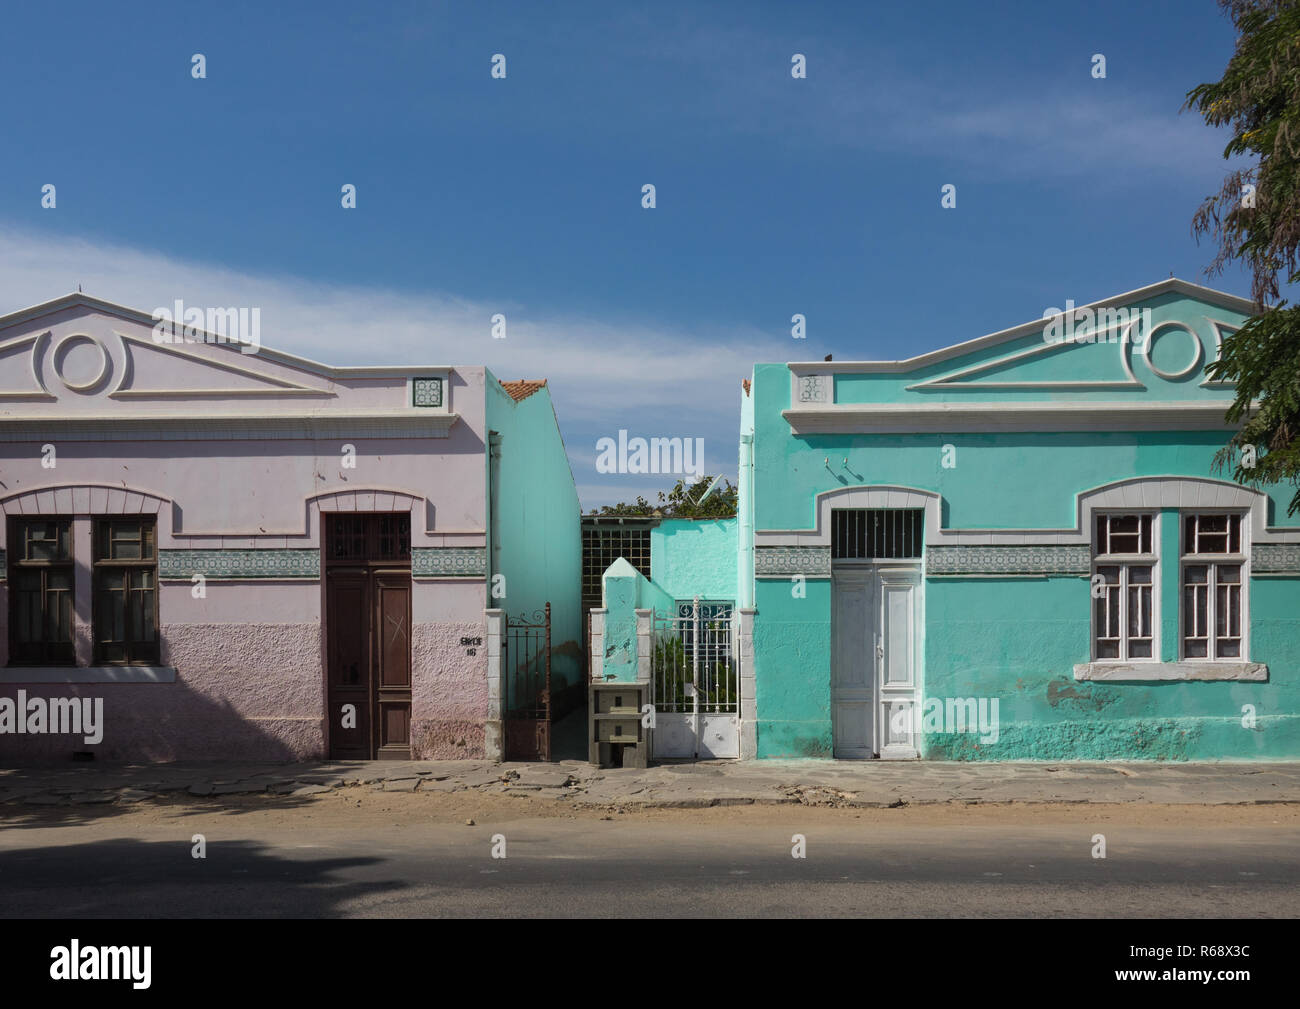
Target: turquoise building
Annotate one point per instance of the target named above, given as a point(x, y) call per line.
point(1016, 548)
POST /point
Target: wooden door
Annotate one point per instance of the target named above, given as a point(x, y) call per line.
point(347, 595)
point(368, 636)
point(392, 595)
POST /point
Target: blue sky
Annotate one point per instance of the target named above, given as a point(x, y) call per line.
point(522, 196)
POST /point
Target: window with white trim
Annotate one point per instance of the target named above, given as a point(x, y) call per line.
point(1214, 579)
point(1124, 577)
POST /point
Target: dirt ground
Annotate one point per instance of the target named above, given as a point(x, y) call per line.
point(364, 807)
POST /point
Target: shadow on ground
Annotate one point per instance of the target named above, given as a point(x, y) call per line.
point(237, 879)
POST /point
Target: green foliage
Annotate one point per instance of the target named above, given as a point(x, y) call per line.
point(1258, 99)
point(682, 502)
point(1263, 358)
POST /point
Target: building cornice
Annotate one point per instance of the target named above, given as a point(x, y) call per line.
point(228, 426)
point(954, 418)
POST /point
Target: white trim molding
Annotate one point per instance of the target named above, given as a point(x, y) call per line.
point(229, 426)
point(1162, 672)
point(993, 417)
point(1150, 493)
point(84, 499)
point(867, 496)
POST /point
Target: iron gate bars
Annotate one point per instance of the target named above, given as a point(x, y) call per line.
point(528, 685)
point(693, 667)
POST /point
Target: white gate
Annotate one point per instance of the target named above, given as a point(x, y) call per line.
point(696, 686)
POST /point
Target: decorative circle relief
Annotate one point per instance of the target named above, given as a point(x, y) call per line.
point(1197, 349)
point(81, 362)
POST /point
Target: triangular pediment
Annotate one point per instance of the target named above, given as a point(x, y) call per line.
point(86, 353)
point(1137, 361)
point(1154, 343)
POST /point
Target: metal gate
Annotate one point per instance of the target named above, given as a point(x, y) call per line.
point(528, 686)
point(696, 688)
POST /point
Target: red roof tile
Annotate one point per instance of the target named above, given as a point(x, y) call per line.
point(524, 388)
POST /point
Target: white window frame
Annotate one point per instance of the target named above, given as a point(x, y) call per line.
point(1124, 562)
point(1241, 559)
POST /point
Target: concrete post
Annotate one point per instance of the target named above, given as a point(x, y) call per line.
point(596, 646)
point(494, 726)
point(644, 646)
point(745, 671)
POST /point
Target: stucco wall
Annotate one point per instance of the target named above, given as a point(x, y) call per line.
point(539, 525)
point(695, 557)
point(792, 661)
point(1017, 640)
point(624, 591)
point(449, 692)
point(243, 692)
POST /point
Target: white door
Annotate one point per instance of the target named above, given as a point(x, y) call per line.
point(874, 621)
point(853, 645)
point(896, 661)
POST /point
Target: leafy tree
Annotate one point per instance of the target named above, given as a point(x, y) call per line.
point(1255, 220)
point(682, 502)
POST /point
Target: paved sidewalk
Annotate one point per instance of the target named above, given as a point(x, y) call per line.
point(711, 783)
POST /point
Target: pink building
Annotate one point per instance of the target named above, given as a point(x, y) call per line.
point(245, 554)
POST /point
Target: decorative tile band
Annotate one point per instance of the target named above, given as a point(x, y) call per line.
point(1002, 560)
point(449, 562)
point(780, 562)
point(237, 564)
point(1275, 558)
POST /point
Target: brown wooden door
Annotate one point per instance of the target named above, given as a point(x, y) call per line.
point(392, 593)
point(368, 636)
point(347, 608)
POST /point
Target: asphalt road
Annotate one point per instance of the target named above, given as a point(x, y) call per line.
point(593, 868)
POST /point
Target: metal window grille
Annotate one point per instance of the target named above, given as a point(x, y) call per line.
point(693, 662)
point(602, 545)
point(876, 533)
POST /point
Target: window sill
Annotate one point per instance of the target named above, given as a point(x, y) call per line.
point(88, 674)
point(1159, 672)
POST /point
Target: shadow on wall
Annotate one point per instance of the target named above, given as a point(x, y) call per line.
point(153, 723)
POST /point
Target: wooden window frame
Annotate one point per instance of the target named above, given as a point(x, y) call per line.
point(138, 653)
point(1212, 562)
point(61, 653)
point(1125, 562)
point(368, 539)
